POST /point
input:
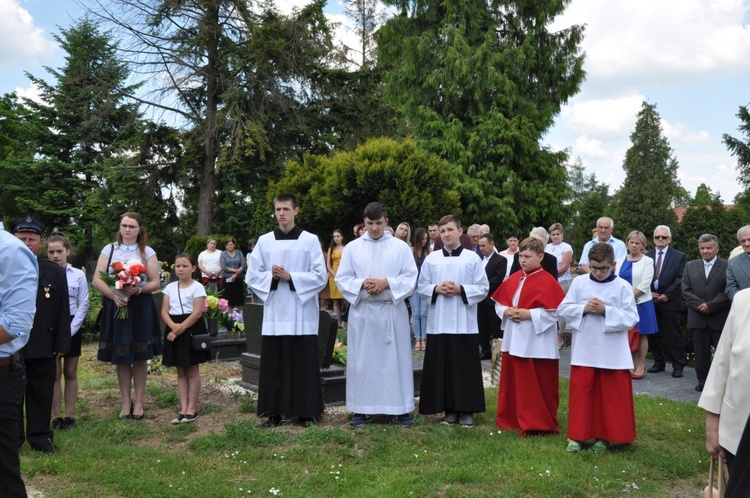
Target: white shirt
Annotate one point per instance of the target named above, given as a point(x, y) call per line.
point(211, 261)
point(185, 296)
point(78, 294)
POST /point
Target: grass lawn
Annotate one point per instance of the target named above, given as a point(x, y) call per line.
point(225, 453)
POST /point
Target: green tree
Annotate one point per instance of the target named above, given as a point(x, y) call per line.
point(646, 196)
point(740, 147)
point(704, 196)
point(88, 125)
point(586, 202)
point(415, 186)
point(239, 77)
point(480, 83)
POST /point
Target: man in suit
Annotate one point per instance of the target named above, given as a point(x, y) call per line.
point(474, 233)
point(666, 289)
point(50, 336)
point(738, 268)
point(489, 323)
point(434, 233)
point(703, 285)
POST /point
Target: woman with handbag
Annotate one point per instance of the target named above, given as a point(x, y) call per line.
point(638, 270)
point(182, 312)
point(129, 334)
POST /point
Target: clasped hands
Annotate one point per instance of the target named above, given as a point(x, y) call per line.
point(375, 285)
point(517, 314)
point(173, 333)
point(448, 289)
point(280, 273)
point(594, 307)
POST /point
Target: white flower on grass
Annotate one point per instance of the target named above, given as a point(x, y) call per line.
point(635, 486)
point(274, 491)
point(416, 455)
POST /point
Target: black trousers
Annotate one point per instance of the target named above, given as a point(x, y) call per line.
point(40, 373)
point(703, 340)
point(489, 324)
point(12, 385)
point(289, 384)
point(669, 329)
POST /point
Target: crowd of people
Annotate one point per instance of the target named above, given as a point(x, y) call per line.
point(453, 290)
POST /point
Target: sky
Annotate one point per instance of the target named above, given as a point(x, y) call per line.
point(691, 58)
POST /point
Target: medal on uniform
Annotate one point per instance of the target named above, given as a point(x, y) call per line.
point(46, 291)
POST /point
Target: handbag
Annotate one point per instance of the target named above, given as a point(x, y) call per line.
point(634, 340)
point(711, 491)
point(199, 342)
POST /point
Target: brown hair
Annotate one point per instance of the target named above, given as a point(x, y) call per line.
point(448, 218)
point(62, 238)
point(533, 244)
point(601, 252)
point(142, 238)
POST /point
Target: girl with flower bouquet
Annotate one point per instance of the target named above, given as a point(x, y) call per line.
point(129, 342)
point(182, 312)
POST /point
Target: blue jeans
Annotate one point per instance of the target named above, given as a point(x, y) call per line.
point(419, 309)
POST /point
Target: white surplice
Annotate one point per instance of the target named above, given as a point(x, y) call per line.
point(453, 315)
point(600, 341)
point(379, 370)
point(287, 311)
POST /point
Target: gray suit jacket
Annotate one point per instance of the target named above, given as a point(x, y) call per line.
point(738, 274)
point(697, 289)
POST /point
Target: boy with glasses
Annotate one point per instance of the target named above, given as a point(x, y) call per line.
point(600, 309)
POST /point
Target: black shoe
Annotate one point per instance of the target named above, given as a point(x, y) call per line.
point(70, 423)
point(699, 388)
point(47, 448)
point(360, 419)
point(656, 368)
point(307, 421)
point(187, 418)
point(677, 372)
point(271, 422)
point(58, 423)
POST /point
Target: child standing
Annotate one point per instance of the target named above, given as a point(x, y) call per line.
point(58, 251)
point(453, 280)
point(182, 312)
point(600, 309)
point(527, 302)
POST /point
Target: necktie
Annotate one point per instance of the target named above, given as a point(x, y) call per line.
point(657, 270)
point(708, 269)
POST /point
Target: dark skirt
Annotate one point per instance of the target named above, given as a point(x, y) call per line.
point(234, 292)
point(451, 375)
point(180, 353)
point(289, 383)
point(75, 343)
point(135, 338)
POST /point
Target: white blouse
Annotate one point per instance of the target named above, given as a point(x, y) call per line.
point(186, 295)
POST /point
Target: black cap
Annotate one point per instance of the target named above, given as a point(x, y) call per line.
point(28, 224)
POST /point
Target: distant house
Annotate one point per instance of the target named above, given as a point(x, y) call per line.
point(680, 211)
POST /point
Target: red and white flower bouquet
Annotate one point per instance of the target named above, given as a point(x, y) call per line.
point(130, 273)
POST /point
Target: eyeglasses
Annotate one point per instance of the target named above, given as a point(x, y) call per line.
point(661, 237)
point(600, 269)
point(132, 227)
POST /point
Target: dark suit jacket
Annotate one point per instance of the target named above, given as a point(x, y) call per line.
point(697, 289)
point(670, 278)
point(738, 274)
point(51, 330)
point(549, 263)
point(495, 269)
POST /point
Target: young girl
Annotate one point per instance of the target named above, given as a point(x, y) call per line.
point(182, 312)
point(333, 258)
point(58, 251)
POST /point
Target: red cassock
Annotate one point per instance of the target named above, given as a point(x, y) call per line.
point(529, 387)
point(601, 405)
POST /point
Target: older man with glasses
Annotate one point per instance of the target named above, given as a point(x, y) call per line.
point(666, 289)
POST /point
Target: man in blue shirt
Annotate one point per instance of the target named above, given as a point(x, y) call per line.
point(604, 228)
point(18, 284)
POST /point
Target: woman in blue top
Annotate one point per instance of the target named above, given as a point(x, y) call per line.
point(638, 270)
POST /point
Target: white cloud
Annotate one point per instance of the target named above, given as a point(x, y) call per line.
point(683, 133)
point(32, 92)
point(585, 146)
point(608, 117)
point(20, 39)
point(659, 42)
